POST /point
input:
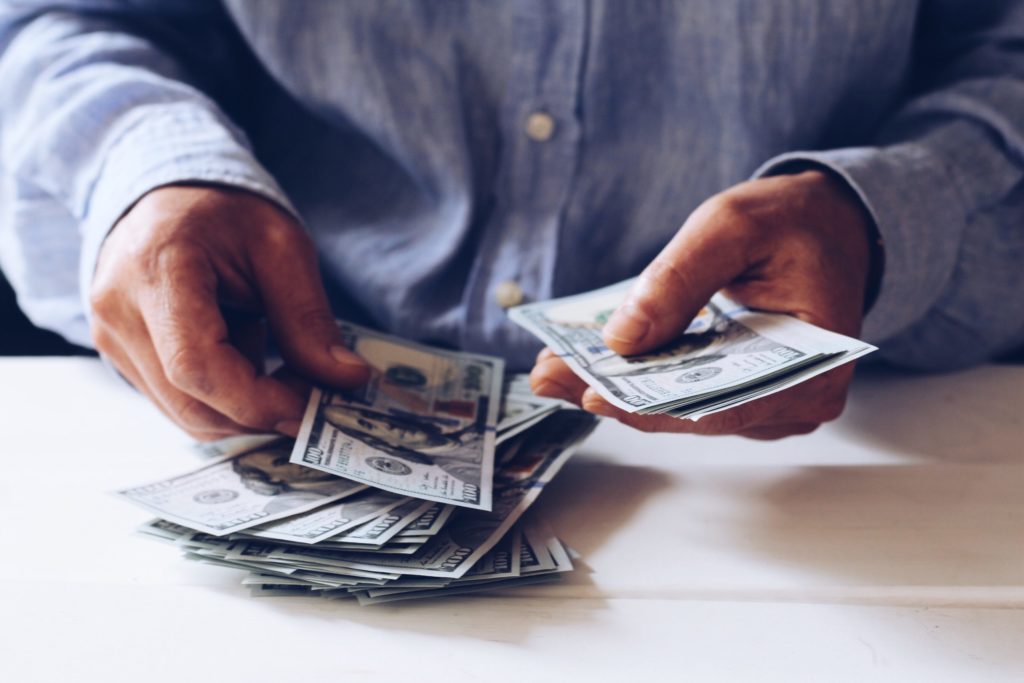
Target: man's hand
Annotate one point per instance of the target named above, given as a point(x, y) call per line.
point(168, 273)
point(797, 244)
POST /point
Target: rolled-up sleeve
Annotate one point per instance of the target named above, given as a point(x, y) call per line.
point(97, 108)
point(943, 179)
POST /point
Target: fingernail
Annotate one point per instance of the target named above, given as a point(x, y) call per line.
point(552, 390)
point(289, 427)
point(346, 357)
point(628, 324)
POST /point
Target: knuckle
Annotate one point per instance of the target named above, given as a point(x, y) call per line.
point(664, 274)
point(102, 338)
point(186, 370)
point(725, 204)
point(104, 302)
point(282, 235)
point(193, 416)
point(162, 261)
point(729, 209)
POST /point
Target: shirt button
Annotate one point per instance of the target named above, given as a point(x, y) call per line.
point(508, 294)
point(540, 126)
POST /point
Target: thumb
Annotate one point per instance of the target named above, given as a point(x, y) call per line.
point(704, 256)
point(300, 316)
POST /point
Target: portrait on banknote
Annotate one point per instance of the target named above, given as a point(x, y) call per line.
point(266, 471)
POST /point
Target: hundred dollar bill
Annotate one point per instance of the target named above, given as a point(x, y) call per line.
point(237, 493)
point(430, 522)
point(517, 409)
point(424, 426)
point(727, 356)
point(330, 520)
point(382, 529)
point(500, 562)
point(489, 579)
point(540, 454)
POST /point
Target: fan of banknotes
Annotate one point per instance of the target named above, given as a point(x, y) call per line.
point(413, 486)
point(728, 356)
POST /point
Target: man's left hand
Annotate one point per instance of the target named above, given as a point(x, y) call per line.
point(797, 244)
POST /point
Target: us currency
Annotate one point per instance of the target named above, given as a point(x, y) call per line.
point(519, 408)
point(409, 548)
point(500, 562)
point(256, 556)
point(500, 574)
point(382, 529)
point(386, 549)
point(540, 454)
point(521, 412)
point(254, 488)
point(430, 522)
point(424, 426)
point(727, 356)
point(330, 520)
point(536, 554)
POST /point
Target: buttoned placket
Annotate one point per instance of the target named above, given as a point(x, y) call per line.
point(541, 138)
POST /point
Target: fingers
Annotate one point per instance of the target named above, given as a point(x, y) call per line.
point(192, 346)
point(300, 317)
point(551, 377)
point(160, 279)
point(202, 423)
point(703, 257)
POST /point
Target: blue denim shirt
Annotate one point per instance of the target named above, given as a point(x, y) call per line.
point(437, 150)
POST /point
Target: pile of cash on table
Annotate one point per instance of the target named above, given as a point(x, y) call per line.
point(413, 486)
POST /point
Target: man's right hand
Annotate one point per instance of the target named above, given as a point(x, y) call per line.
point(167, 272)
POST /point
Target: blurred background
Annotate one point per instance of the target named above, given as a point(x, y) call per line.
point(18, 337)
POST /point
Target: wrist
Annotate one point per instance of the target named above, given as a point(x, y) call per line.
point(872, 243)
point(868, 230)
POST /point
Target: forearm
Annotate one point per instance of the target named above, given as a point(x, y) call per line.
point(97, 110)
point(941, 180)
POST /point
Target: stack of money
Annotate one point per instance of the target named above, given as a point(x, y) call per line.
point(729, 355)
point(414, 486)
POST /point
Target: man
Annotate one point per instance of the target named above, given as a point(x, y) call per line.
point(174, 170)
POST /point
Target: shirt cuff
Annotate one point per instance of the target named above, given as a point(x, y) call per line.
point(909, 192)
point(173, 144)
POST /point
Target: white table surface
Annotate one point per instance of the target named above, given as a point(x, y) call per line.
point(886, 546)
